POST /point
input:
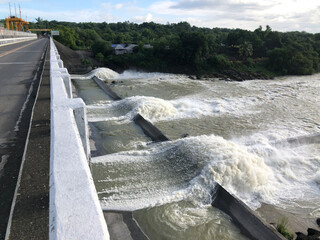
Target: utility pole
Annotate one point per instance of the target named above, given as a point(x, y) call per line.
point(15, 9)
point(10, 9)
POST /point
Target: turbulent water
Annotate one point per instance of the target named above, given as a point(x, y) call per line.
point(233, 133)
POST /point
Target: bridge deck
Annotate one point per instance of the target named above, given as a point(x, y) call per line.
point(20, 72)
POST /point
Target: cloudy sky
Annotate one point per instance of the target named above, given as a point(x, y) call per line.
point(281, 15)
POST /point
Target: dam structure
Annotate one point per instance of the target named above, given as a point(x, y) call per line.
point(248, 222)
point(55, 193)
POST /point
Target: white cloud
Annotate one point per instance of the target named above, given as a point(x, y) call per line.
point(87, 15)
point(118, 6)
point(149, 17)
point(283, 15)
point(140, 19)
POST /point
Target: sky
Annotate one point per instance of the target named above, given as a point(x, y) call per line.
point(280, 15)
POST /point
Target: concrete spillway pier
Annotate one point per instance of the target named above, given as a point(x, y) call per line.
point(150, 130)
point(106, 89)
point(243, 217)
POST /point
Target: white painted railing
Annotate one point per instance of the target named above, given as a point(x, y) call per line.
point(75, 211)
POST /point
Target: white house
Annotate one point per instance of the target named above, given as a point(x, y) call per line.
point(119, 48)
point(130, 47)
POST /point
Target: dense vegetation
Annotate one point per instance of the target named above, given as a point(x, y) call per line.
point(186, 49)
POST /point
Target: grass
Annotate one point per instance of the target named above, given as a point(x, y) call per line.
point(282, 227)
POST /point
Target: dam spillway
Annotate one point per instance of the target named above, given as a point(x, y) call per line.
point(176, 112)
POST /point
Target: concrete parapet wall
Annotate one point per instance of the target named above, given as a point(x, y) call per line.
point(15, 40)
point(5, 33)
point(75, 211)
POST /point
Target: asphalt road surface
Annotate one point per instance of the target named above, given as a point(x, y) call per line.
point(18, 65)
point(20, 70)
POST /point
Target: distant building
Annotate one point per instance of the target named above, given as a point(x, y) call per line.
point(130, 47)
point(147, 46)
point(122, 49)
point(119, 48)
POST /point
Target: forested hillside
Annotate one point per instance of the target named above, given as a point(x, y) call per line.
point(182, 48)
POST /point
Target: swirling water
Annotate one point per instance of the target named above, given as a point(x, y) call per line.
point(223, 132)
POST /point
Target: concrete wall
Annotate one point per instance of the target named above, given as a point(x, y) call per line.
point(7, 41)
point(248, 222)
point(75, 211)
point(5, 33)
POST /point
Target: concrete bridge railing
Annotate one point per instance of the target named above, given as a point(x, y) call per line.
point(10, 36)
point(75, 211)
point(5, 33)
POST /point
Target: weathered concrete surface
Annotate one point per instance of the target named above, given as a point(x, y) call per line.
point(298, 141)
point(74, 208)
point(30, 216)
point(149, 129)
point(243, 217)
point(19, 65)
point(122, 226)
point(106, 89)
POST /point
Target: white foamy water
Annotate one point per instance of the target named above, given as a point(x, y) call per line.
point(182, 220)
point(295, 168)
point(171, 182)
point(156, 109)
point(102, 73)
point(185, 169)
point(130, 74)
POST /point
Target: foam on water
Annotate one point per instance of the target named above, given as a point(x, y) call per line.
point(131, 74)
point(183, 169)
point(254, 167)
point(187, 169)
point(102, 73)
point(182, 220)
point(295, 168)
point(157, 109)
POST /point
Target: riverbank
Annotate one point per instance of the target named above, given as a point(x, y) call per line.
point(81, 62)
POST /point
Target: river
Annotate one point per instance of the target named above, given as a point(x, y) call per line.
point(233, 133)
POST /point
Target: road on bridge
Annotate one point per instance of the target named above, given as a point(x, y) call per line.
point(20, 71)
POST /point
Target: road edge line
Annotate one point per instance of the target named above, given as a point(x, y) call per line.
point(7, 235)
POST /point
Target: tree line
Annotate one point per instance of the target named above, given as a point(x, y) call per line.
point(182, 48)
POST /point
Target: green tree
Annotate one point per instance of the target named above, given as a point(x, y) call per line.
point(99, 57)
point(245, 50)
